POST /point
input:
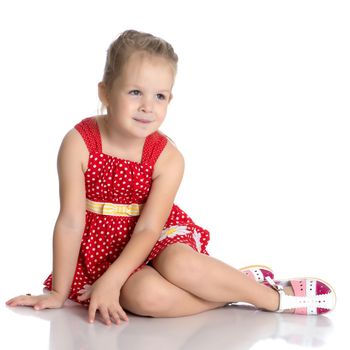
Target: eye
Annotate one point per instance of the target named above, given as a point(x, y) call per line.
point(135, 92)
point(161, 97)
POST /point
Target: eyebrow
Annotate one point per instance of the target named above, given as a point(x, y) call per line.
point(129, 86)
point(168, 91)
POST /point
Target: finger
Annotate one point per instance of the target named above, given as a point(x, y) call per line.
point(22, 300)
point(12, 300)
point(85, 289)
point(15, 299)
point(39, 306)
point(105, 315)
point(84, 296)
point(123, 315)
point(47, 304)
point(115, 317)
point(119, 314)
point(43, 304)
point(8, 302)
point(92, 312)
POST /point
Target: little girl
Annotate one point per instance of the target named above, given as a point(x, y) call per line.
point(119, 241)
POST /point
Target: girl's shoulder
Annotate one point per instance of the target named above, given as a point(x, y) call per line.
point(73, 139)
point(73, 147)
point(169, 157)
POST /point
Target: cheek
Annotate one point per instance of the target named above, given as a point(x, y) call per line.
point(163, 109)
point(126, 105)
point(161, 114)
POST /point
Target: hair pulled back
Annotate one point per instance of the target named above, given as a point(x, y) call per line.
point(129, 42)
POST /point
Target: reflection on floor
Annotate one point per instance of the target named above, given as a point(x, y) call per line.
point(232, 327)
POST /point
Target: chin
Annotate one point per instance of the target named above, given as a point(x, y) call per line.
point(144, 133)
point(147, 130)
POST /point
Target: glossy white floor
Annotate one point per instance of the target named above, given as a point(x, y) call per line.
point(231, 327)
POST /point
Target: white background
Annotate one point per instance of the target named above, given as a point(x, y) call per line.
point(260, 113)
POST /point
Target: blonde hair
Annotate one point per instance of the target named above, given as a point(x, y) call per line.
point(129, 42)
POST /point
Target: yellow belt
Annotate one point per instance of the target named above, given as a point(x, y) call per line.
point(133, 209)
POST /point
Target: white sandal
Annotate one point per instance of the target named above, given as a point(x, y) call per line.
point(311, 296)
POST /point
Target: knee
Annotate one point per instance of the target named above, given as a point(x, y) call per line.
point(181, 263)
point(153, 302)
point(146, 298)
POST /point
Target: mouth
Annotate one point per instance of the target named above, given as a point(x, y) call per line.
point(143, 121)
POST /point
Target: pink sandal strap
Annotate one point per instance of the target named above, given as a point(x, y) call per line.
point(257, 272)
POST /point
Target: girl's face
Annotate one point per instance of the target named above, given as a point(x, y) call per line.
point(139, 97)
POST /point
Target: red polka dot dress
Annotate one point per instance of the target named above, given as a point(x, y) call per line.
point(111, 183)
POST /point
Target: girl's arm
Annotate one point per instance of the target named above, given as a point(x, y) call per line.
point(69, 225)
point(71, 219)
point(168, 174)
point(104, 293)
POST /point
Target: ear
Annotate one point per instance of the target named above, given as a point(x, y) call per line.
point(103, 93)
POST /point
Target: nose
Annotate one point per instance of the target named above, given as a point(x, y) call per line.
point(146, 105)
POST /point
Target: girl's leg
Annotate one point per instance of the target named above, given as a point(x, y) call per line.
point(147, 293)
point(212, 279)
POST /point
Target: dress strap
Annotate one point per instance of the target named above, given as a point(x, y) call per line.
point(153, 147)
point(89, 131)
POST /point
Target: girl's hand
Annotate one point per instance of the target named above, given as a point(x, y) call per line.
point(105, 298)
point(52, 300)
